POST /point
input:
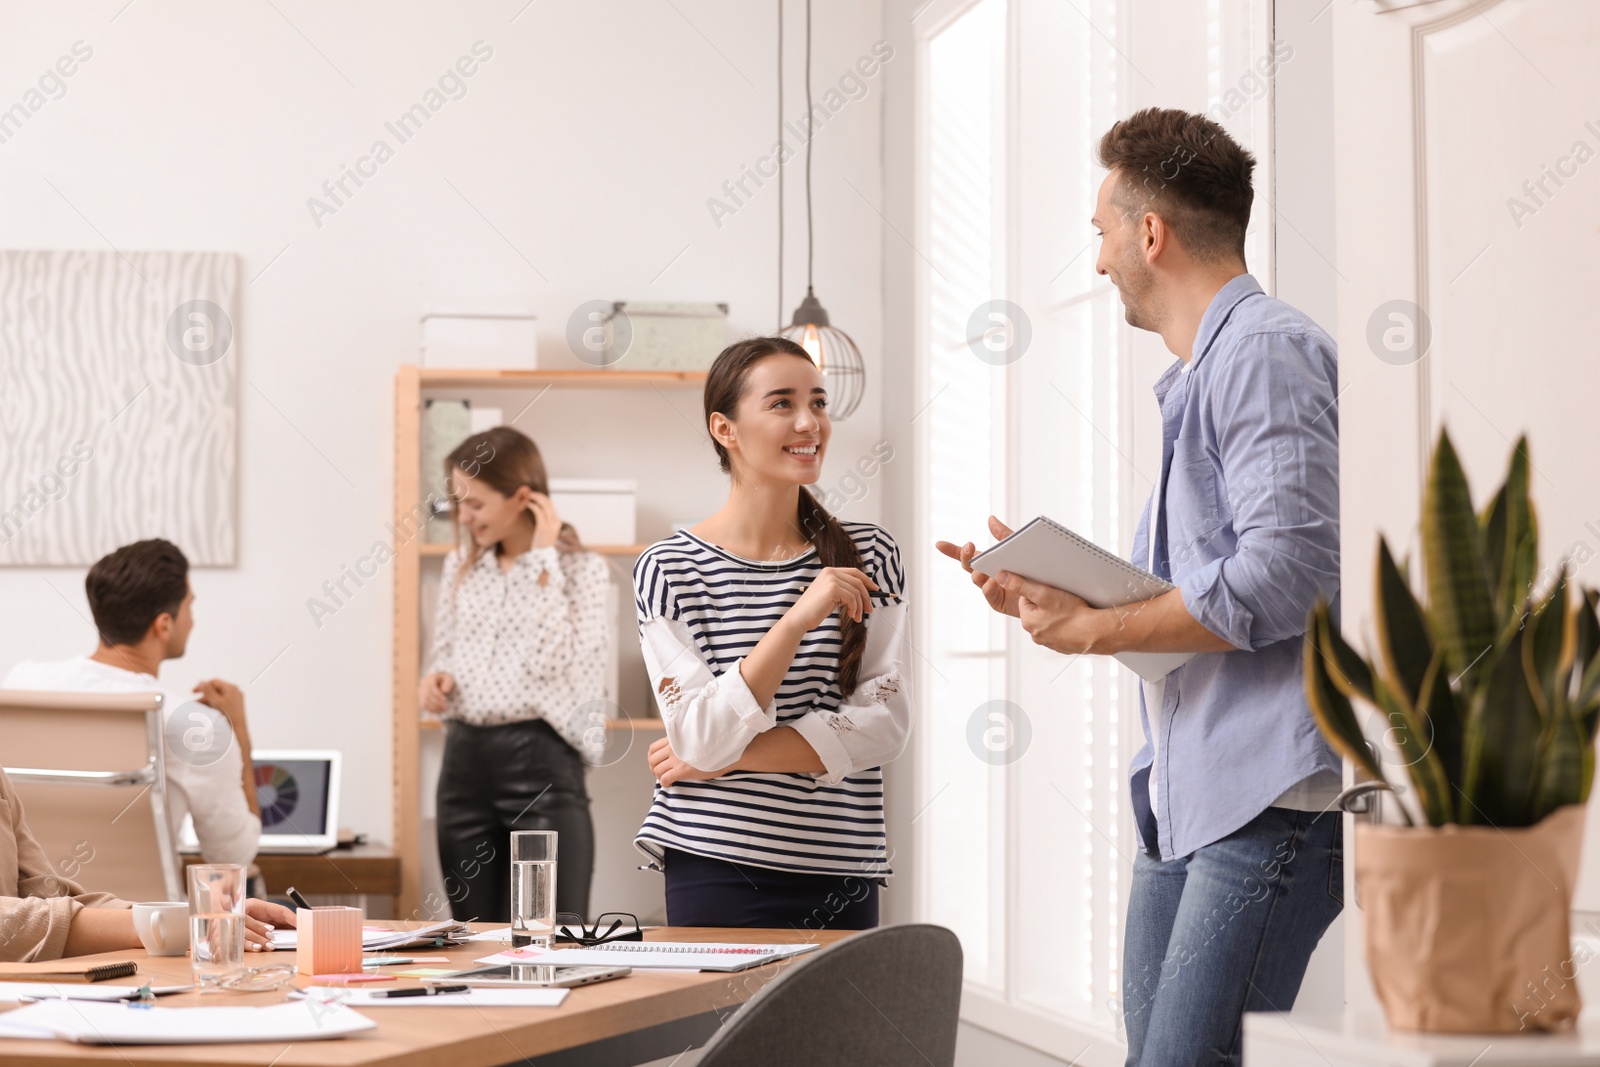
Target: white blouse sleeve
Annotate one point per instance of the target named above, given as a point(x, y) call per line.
point(569, 639)
point(710, 718)
point(872, 724)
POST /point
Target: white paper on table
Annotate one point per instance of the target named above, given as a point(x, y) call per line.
point(121, 1024)
point(502, 934)
point(11, 992)
point(291, 938)
point(376, 937)
point(656, 955)
point(477, 997)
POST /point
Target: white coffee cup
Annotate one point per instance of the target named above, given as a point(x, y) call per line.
point(163, 927)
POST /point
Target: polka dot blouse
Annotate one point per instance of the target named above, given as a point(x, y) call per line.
point(529, 643)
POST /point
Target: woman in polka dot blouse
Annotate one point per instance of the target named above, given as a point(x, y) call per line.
point(520, 635)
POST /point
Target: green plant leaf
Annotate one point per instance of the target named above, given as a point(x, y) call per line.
point(1439, 711)
point(1346, 669)
point(1586, 628)
point(1411, 736)
point(1563, 776)
point(1461, 607)
point(1493, 524)
point(1502, 739)
point(1329, 707)
point(1403, 639)
point(1587, 653)
point(1547, 651)
point(1511, 536)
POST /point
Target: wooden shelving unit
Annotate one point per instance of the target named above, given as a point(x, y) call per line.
point(451, 378)
point(604, 550)
point(410, 384)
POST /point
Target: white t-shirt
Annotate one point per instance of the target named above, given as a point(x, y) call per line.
point(210, 789)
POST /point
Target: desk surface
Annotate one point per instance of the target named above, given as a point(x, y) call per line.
point(439, 1037)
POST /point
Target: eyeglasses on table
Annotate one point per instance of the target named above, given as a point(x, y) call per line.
point(612, 926)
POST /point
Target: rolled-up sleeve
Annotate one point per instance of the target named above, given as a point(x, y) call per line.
point(872, 725)
point(37, 905)
point(1274, 404)
point(710, 718)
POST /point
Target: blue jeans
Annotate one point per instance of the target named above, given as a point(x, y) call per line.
point(1226, 930)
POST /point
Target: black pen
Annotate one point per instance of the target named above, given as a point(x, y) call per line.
point(299, 901)
point(421, 991)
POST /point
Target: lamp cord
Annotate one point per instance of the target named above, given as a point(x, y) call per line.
point(811, 134)
point(780, 164)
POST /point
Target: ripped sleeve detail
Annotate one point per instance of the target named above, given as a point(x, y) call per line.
point(876, 690)
point(671, 694)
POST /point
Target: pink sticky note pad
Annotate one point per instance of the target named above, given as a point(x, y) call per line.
point(347, 979)
point(524, 953)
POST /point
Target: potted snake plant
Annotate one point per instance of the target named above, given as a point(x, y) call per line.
point(1488, 693)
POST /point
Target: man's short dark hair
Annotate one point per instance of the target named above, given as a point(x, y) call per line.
point(133, 585)
point(1186, 169)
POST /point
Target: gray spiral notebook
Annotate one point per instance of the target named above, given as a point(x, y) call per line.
point(1045, 551)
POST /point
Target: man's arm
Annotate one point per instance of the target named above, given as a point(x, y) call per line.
point(1066, 623)
point(227, 698)
point(1276, 413)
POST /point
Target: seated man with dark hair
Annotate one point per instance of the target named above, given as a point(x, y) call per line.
point(142, 607)
point(44, 916)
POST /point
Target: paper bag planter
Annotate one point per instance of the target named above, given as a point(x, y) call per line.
point(1488, 695)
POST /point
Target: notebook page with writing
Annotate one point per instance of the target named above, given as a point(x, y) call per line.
point(1045, 551)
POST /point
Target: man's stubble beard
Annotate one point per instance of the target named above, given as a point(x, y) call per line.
point(1139, 303)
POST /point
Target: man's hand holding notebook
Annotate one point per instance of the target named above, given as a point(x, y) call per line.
point(1055, 582)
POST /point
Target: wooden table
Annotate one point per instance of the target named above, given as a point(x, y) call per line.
point(628, 1020)
point(363, 870)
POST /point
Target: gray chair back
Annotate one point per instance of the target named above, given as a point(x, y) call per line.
point(887, 997)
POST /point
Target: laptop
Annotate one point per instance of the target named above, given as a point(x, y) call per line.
point(298, 790)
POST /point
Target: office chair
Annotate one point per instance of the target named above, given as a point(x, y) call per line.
point(91, 773)
point(889, 997)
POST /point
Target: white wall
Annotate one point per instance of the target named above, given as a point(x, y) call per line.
point(576, 166)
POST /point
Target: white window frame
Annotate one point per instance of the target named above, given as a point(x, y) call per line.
point(998, 1009)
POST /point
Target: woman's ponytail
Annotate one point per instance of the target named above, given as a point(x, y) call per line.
point(836, 548)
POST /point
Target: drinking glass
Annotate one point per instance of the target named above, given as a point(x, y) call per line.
point(216, 923)
point(533, 888)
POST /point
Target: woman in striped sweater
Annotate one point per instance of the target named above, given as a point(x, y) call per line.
point(774, 638)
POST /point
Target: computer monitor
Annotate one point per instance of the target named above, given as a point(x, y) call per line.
point(298, 791)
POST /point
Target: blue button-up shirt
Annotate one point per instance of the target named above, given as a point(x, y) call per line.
point(1249, 533)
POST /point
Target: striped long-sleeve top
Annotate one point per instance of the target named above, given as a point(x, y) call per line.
point(701, 611)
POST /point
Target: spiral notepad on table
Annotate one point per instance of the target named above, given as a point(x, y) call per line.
point(657, 955)
point(1046, 551)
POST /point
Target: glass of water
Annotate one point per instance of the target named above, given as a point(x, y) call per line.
point(216, 923)
point(533, 888)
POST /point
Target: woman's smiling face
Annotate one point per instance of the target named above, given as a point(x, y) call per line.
point(487, 515)
point(781, 428)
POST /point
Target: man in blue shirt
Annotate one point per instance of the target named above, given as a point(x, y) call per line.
point(1241, 870)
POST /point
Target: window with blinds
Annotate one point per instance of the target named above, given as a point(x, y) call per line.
point(1024, 840)
point(965, 455)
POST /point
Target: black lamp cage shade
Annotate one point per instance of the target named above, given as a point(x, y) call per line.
point(830, 348)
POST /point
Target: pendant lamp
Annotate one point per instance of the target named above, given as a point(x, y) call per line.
point(829, 347)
